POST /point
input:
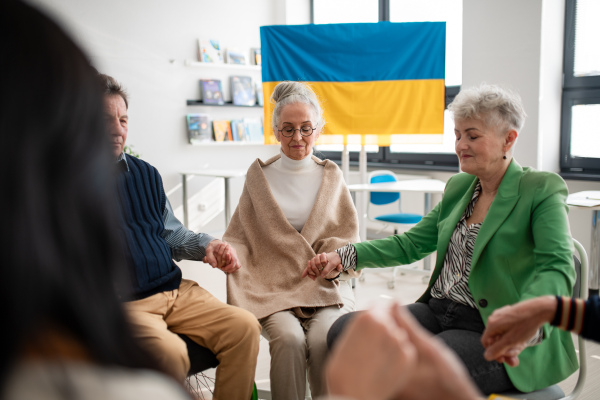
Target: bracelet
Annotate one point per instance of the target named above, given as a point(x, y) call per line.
point(334, 278)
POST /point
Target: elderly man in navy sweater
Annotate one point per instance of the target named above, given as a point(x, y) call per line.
point(165, 304)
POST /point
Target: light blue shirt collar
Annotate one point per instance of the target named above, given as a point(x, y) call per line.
point(124, 159)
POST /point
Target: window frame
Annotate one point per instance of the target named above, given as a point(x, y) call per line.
point(576, 90)
point(385, 158)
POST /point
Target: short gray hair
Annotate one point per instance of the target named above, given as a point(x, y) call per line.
point(111, 87)
point(496, 107)
point(288, 92)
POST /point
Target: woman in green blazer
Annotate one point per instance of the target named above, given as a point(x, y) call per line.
point(502, 236)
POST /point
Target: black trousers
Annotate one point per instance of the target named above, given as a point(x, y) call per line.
point(460, 327)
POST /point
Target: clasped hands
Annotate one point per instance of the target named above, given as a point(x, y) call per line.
point(384, 353)
point(222, 255)
point(324, 265)
point(510, 328)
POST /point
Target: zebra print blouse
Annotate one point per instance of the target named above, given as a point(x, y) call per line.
point(453, 282)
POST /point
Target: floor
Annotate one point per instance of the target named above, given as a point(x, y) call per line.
point(370, 292)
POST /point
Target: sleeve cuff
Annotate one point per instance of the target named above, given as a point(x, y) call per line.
point(348, 256)
point(203, 240)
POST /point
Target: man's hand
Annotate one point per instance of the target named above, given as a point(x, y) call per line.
point(325, 265)
point(222, 255)
point(510, 328)
point(373, 359)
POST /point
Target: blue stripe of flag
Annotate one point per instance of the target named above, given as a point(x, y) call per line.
point(354, 52)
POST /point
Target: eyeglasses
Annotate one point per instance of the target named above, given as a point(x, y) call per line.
point(306, 130)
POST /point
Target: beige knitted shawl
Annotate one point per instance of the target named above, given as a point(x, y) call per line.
point(273, 253)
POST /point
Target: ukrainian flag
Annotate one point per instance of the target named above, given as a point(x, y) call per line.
point(378, 79)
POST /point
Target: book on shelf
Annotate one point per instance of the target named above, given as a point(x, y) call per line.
point(237, 56)
point(199, 128)
point(242, 91)
point(239, 131)
point(222, 130)
point(259, 94)
point(255, 56)
point(209, 51)
point(254, 130)
point(211, 91)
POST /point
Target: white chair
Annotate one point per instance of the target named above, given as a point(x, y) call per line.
point(580, 290)
point(400, 221)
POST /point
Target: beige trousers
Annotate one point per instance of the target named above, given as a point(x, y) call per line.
point(300, 345)
point(231, 333)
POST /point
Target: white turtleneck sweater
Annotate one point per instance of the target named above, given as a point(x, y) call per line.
point(295, 184)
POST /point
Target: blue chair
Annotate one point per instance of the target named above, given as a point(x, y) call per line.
point(400, 221)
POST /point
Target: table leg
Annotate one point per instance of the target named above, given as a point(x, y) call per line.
point(594, 279)
point(427, 208)
point(363, 196)
point(226, 202)
point(185, 200)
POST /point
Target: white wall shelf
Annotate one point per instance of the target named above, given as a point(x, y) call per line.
point(238, 67)
point(227, 104)
point(228, 144)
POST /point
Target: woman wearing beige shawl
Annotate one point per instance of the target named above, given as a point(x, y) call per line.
point(293, 207)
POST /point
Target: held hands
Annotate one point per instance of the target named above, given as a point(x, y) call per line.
point(373, 358)
point(385, 354)
point(324, 265)
point(222, 255)
point(434, 359)
point(510, 328)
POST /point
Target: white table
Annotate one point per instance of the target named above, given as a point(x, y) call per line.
point(226, 174)
point(425, 186)
point(590, 200)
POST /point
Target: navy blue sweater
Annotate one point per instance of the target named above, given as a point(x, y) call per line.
point(570, 310)
point(142, 199)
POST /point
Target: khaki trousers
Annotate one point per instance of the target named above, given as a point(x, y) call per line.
point(230, 332)
point(300, 345)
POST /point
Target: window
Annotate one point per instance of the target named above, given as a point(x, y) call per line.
point(345, 11)
point(580, 125)
point(434, 155)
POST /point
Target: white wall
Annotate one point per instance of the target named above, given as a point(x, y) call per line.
point(501, 45)
point(143, 44)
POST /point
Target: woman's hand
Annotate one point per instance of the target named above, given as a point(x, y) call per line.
point(510, 328)
point(324, 265)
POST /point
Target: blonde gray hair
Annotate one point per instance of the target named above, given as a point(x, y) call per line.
point(288, 92)
point(496, 107)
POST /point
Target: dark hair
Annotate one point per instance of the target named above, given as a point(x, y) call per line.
point(60, 258)
point(111, 87)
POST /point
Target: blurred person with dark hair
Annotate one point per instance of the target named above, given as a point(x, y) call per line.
point(163, 304)
point(66, 335)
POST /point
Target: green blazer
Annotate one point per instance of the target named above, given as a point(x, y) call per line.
point(523, 250)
